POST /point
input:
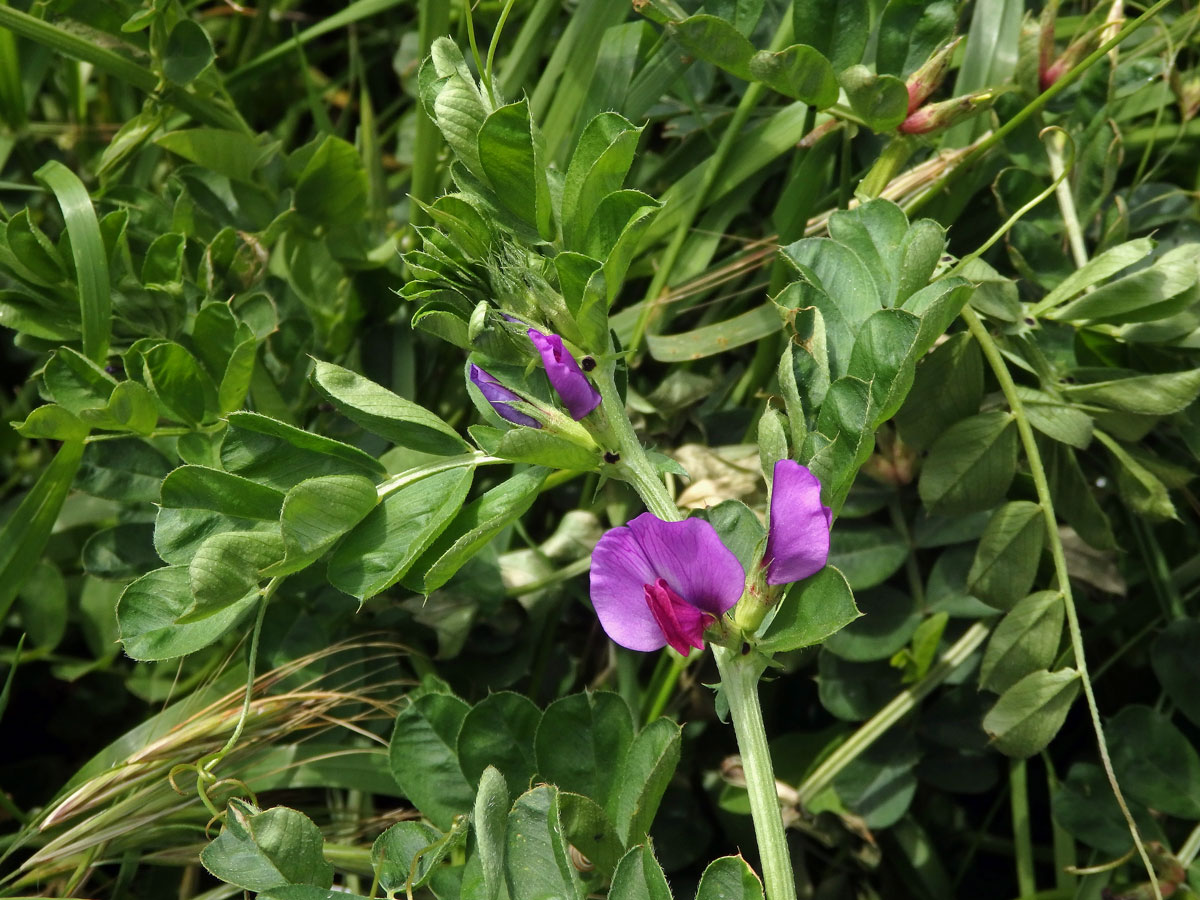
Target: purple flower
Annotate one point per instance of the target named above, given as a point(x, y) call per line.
point(798, 538)
point(577, 393)
point(501, 398)
point(656, 582)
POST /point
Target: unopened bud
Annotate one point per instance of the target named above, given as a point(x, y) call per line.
point(924, 81)
point(936, 116)
point(1048, 73)
point(1046, 39)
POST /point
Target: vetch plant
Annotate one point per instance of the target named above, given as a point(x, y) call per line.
point(685, 261)
point(657, 583)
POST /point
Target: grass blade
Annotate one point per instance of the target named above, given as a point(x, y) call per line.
point(25, 533)
point(12, 96)
point(91, 261)
point(990, 58)
point(427, 144)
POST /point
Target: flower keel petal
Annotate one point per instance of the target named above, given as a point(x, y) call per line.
point(681, 623)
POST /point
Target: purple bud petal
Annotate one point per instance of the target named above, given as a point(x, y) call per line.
point(798, 537)
point(501, 398)
point(633, 565)
point(577, 393)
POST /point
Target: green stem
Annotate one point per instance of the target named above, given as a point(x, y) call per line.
point(899, 706)
point(434, 21)
point(404, 479)
point(1066, 199)
point(252, 665)
point(992, 352)
point(716, 167)
point(1018, 797)
point(565, 573)
point(665, 687)
point(739, 682)
point(1189, 848)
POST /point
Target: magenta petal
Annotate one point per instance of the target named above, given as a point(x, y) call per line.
point(798, 537)
point(577, 393)
point(691, 558)
point(620, 572)
point(681, 623)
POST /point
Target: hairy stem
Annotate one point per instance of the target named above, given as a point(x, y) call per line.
point(739, 682)
point(633, 465)
point(992, 352)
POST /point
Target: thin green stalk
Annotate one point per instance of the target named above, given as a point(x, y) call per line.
point(1070, 77)
point(662, 688)
point(1018, 798)
point(733, 132)
point(433, 21)
point(1033, 456)
point(524, 55)
point(348, 858)
point(491, 54)
point(404, 479)
point(251, 666)
point(899, 706)
point(1160, 572)
point(484, 75)
point(566, 573)
point(1066, 199)
point(1063, 841)
point(739, 683)
point(1016, 217)
point(1189, 848)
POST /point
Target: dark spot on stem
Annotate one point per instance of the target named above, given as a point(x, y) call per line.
point(745, 648)
point(587, 363)
point(610, 457)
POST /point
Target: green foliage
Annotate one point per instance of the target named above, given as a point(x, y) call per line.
point(263, 849)
point(245, 260)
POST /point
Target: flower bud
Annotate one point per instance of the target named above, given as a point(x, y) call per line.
point(924, 81)
point(936, 116)
point(578, 394)
point(501, 398)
